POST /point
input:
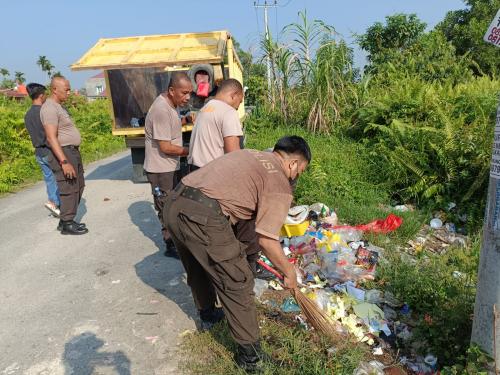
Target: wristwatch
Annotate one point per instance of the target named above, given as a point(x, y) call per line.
point(63, 162)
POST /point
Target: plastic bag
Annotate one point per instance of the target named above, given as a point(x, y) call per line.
point(297, 215)
point(389, 224)
point(370, 368)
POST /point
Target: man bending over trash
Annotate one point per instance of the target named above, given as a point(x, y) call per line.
point(200, 216)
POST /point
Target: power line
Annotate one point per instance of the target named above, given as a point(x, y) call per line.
point(265, 6)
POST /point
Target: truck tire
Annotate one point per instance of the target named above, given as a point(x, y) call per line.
point(138, 174)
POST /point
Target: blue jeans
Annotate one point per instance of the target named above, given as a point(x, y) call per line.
point(50, 180)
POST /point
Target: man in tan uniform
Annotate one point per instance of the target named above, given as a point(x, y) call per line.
point(200, 213)
point(163, 141)
point(217, 129)
point(64, 159)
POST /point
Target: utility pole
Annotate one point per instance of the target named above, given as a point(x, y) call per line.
point(485, 326)
point(268, 59)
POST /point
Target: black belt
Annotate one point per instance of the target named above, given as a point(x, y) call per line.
point(71, 147)
point(196, 195)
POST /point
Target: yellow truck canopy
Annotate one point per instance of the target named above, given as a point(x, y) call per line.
point(155, 51)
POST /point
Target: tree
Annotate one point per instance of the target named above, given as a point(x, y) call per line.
point(19, 77)
point(399, 33)
point(465, 30)
point(253, 76)
point(45, 65)
point(6, 83)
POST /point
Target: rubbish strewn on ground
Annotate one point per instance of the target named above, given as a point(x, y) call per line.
point(333, 261)
point(436, 239)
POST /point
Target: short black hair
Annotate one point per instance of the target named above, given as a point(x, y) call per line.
point(176, 78)
point(35, 90)
point(230, 84)
point(293, 144)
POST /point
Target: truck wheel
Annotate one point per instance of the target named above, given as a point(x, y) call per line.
point(138, 174)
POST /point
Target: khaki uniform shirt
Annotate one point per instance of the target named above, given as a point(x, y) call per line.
point(162, 124)
point(247, 184)
point(53, 114)
point(215, 121)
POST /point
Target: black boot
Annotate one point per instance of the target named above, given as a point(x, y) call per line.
point(249, 356)
point(170, 249)
point(60, 225)
point(71, 227)
point(211, 316)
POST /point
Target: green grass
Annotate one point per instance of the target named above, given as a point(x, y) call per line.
point(289, 349)
point(342, 175)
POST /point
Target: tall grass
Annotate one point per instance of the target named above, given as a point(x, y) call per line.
point(312, 74)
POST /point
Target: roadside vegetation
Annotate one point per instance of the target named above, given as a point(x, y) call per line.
point(414, 127)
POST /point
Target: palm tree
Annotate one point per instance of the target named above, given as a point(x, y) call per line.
point(19, 77)
point(45, 65)
point(4, 72)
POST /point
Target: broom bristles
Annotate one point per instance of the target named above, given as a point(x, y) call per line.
point(318, 318)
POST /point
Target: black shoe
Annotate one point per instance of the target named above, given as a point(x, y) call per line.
point(60, 225)
point(249, 357)
point(211, 316)
point(71, 227)
point(170, 249)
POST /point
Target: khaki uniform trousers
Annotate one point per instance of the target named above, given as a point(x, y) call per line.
point(166, 182)
point(70, 190)
point(215, 262)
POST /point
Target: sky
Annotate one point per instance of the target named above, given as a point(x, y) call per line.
point(63, 30)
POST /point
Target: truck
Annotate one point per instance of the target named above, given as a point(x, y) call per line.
point(137, 69)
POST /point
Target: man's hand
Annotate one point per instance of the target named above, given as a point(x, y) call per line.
point(172, 150)
point(68, 171)
point(290, 281)
point(273, 251)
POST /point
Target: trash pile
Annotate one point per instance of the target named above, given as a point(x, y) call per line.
point(436, 238)
point(332, 262)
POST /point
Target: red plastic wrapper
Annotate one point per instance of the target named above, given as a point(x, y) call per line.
point(389, 224)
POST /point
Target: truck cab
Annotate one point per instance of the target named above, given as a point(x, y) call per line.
point(137, 69)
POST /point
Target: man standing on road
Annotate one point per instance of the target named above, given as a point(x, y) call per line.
point(163, 139)
point(37, 134)
point(217, 129)
point(200, 214)
point(65, 160)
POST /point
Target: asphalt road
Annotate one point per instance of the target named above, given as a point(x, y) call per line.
point(107, 302)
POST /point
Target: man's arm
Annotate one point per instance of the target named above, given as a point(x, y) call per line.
point(231, 143)
point(172, 150)
point(55, 146)
point(273, 251)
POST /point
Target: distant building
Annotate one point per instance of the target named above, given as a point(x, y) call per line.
point(95, 87)
point(18, 92)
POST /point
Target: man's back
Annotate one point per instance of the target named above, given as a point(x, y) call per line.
point(215, 121)
point(247, 184)
point(35, 129)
